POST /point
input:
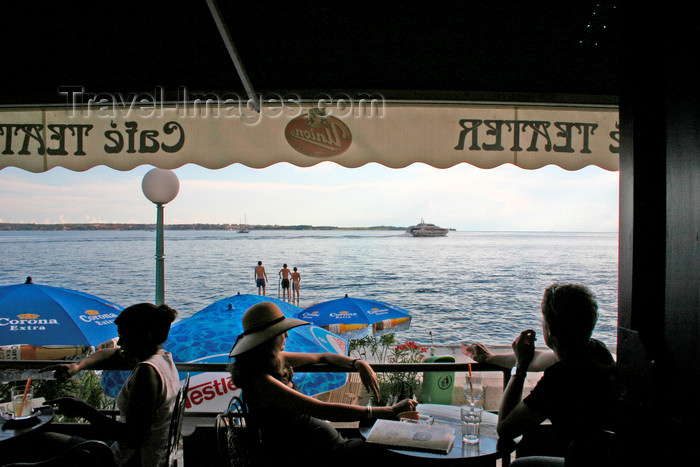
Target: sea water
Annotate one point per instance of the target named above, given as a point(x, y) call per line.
point(473, 286)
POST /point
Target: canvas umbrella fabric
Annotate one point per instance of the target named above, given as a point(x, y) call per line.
point(207, 337)
point(357, 317)
point(35, 315)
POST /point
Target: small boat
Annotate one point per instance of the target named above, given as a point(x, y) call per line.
point(244, 227)
point(423, 229)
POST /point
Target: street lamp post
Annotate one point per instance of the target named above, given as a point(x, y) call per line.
point(160, 187)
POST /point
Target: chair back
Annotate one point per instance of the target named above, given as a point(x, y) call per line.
point(238, 437)
point(176, 423)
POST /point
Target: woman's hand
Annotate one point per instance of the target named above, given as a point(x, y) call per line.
point(62, 372)
point(406, 405)
point(72, 406)
point(368, 377)
point(524, 349)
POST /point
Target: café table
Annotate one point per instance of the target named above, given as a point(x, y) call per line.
point(484, 453)
point(13, 429)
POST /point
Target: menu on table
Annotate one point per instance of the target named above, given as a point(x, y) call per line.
point(415, 436)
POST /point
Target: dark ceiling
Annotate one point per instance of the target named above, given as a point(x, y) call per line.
point(426, 50)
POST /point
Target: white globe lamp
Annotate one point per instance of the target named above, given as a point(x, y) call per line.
point(160, 186)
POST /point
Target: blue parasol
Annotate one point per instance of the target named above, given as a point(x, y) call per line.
point(41, 315)
point(356, 317)
point(208, 335)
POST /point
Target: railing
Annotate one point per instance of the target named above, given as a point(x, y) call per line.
point(316, 368)
point(24, 365)
point(412, 367)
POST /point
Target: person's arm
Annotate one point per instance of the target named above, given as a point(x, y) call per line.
point(514, 417)
point(273, 393)
point(367, 375)
point(541, 360)
point(104, 357)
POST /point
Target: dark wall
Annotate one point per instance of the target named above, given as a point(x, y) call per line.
point(659, 309)
point(681, 370)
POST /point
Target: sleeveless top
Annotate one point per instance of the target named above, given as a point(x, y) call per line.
point(153, 449)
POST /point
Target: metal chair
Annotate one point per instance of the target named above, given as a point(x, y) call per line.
point(176, 424)
point(86, 454)
point(237, 437)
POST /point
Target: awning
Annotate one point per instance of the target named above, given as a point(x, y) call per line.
point(217, 131)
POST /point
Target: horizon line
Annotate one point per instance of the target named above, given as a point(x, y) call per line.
point(24, 226)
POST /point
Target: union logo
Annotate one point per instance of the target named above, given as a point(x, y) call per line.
point(316, 134)
point(28, 316)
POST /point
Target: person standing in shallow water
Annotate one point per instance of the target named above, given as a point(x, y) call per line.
point(284, 274)
point(260, 278)
point(296, 278)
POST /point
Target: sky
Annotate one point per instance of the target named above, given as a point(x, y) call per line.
point(465, 198)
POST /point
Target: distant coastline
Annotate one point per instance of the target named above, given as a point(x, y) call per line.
point(234, 227)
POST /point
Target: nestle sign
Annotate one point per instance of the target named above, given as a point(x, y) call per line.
point(318, 135)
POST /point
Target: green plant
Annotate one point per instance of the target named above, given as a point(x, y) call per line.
point(405, 384)
point(393, 386)
point(86, 386)
point(378, 347)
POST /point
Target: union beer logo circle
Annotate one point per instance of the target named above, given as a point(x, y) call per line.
point(316, 134)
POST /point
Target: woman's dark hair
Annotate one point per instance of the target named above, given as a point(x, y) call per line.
point(147, 316)
point(262, 359)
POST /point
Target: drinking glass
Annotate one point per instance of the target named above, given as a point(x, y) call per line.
point(471, 423)
point(473, 389)
point(21, 405)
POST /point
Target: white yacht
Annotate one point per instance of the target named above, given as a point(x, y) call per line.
point(423, 229)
